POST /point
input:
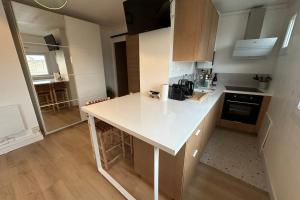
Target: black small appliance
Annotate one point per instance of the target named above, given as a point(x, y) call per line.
point(187, 86)
point(145, 15)
point(51, 42)
point(176, 92)
point(242, 108)
point(183, 89)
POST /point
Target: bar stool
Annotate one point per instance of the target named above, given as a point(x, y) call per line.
point(110, 140)
point(60, 93)
point(45, 96)
point(127, 140)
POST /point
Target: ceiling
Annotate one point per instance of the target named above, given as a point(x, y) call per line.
point(35, 21)
point(108, 13)
point(225, 6)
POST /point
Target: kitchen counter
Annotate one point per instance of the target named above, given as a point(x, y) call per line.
point(166, 125)
point(47, 81)
point(263, 93)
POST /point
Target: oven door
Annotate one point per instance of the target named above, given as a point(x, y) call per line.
point(244, 112)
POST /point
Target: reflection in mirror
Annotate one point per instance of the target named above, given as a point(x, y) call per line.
point(47, 54)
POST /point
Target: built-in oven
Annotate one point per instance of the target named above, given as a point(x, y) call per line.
point(241, 107)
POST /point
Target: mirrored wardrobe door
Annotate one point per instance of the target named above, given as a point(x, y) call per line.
point(50, 69)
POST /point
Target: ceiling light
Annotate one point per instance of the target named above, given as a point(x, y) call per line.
point(52, 4)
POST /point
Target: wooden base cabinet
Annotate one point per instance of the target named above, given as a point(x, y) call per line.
point(176, 172)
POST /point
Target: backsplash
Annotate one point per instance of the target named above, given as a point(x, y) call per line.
point(243, 80)
point(178, 69)
point(186, 70)
point(174, 80)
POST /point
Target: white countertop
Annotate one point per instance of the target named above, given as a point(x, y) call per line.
point(264, 93)
point(167, 125)
point(46, 81)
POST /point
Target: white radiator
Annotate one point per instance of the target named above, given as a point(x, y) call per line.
point(11, 122)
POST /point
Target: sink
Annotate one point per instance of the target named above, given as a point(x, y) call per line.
point(199, 96)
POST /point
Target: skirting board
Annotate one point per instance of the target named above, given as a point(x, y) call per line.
point(22, 141)
point(270, 186)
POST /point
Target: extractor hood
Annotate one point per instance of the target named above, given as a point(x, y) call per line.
point(253, 46)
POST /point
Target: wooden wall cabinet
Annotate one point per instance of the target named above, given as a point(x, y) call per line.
point(176, 172)
point(195, 30)
point(133, 63)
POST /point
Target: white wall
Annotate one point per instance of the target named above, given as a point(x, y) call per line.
point(12, 83)
point(154, 59)
point(282, 150)
point(232, 28)
point(87, 60)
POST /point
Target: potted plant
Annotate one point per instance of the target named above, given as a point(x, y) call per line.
point(263, 81)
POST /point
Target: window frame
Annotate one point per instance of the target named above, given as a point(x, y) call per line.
point(289, 31)
point(45, 58)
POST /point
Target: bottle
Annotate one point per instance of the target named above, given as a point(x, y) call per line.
point(206, 81)
point(215, 80)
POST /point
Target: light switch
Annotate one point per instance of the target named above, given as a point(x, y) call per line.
point(299, 105)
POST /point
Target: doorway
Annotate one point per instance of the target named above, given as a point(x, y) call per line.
point(121, 67)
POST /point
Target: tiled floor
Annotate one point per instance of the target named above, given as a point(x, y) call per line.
point(236, 154)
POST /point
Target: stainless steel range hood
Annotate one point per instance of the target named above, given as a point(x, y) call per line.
point(253, 46)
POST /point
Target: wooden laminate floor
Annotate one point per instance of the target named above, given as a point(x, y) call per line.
point(57, 119)
point(62, 167)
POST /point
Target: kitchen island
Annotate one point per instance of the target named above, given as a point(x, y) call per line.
point(166, 125)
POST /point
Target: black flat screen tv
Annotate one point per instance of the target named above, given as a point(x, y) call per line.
point(146, 15)
point(51, 42)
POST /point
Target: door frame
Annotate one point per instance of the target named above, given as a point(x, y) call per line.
point(113, 41)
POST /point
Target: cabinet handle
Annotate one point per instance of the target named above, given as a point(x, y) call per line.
point(198, 131)
point(195, 153)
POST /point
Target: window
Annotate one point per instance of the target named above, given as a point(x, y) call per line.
point(37, 65)
point(289, 32)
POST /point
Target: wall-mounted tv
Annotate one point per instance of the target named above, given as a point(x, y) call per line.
point(51, 43)
point(146, 15)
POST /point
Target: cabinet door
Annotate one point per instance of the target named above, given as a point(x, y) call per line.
point(202, 42)
point(187, 28)
point(193, 152)
point(194, 30)
point(213, 32)
point(211, 120)
point(170, 168)
point(133, 63)
point(86, 57)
